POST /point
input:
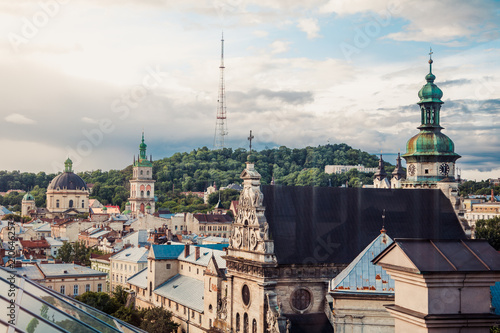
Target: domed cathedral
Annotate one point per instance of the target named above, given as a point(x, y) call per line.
point(142, 184)
point(430, 155)
point(67, 194)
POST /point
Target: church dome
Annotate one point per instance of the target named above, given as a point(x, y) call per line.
point(430, 92)
point(68, 181)
point(28, 196)
point(430, 143)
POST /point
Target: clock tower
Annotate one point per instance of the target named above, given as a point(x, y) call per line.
point(430, 155)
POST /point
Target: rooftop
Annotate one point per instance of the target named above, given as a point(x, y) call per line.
point(132, 254)
point(184, 290)
point(323, 224)
point(446, 256)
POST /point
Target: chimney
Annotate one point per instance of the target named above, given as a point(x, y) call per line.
point(197, 253)
point(186, 250)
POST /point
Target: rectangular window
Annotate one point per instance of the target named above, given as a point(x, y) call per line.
point(168, 266)
point(426, 171)
point(87, 287)
point(169, 303)
point(75, 290)
point(62, 290)
point(99, 287)
point(50, 287)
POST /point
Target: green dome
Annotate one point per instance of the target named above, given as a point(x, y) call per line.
point(28, 196)
point(148, 207)
point(430, 92)
point(429, 142)
point(104, 208)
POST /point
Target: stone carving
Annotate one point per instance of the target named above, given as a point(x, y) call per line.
point(250, 229)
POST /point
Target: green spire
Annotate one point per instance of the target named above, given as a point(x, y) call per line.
point(143, 158)
point(142, 148)
point(68, 165)
point(430, 100)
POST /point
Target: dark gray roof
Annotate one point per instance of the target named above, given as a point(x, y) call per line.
point(472, 255)
point(310, 323)
point(333, 225)
point(67, 181)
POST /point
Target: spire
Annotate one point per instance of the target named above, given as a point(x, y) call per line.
point(142, 149)
point(220, 124)
point(380, 174)
point(398, 172)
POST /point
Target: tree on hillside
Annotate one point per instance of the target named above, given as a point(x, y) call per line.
point(489, 230)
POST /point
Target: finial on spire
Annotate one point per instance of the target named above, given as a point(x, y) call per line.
point(250, 138)
point(430, 60)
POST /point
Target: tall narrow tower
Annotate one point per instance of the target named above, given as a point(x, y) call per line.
point(221, 124)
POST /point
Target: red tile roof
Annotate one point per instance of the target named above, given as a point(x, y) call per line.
point(34, 244)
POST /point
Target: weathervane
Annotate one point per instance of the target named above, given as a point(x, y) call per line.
point(250, 139)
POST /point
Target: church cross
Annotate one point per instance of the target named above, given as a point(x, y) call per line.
point(250, 139)
point(430, 53)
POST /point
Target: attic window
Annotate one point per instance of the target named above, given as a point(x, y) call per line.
point(127, 254)
point(65, 272)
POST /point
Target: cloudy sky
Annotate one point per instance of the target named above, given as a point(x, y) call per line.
point(83, 78)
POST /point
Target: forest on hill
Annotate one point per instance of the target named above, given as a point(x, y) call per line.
point(200, 168)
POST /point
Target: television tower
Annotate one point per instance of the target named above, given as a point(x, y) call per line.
point(221, 124)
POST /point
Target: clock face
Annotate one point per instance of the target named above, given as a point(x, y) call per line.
point(444, 169)
point(412, 169)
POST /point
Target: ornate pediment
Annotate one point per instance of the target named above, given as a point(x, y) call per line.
point(250, 229)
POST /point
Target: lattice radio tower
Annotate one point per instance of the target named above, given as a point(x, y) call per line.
point(221, 124)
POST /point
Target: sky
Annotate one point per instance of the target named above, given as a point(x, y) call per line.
point(84, 78)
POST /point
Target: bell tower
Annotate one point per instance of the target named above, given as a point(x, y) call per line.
point(430, 155)
point(142, 184)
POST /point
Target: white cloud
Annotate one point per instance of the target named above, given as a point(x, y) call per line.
point(261, 33)
point(310, 27)
point(279, 46)
point(428, 20)
point(19, 119)
point(89, 120)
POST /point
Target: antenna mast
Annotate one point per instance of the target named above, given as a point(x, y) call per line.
point(221, 125)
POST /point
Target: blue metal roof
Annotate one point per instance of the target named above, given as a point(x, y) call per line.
point(166, 216)
point(362, 275)
point(219, 247)
point(167, 251)
point(495, 297)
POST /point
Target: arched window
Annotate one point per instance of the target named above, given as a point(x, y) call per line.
point(141, 172)
point(245, 323)
point(148, 193)
point(237, 322)
point(57, 206)
point(254, 326)
point(83, 203)
point(147, 172)
point(71, 204)
point(142, 193)
point(150, 288)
